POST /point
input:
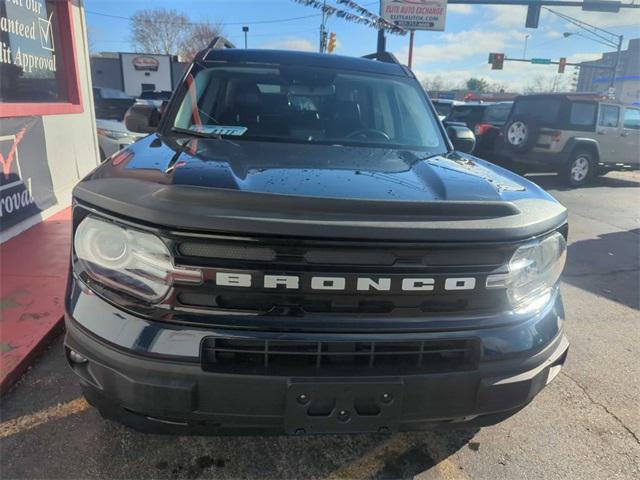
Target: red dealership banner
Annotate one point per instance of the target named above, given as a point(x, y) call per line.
point(25, 180)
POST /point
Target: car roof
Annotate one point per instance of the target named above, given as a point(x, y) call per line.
point(480, 105)
point(447, 100)
point(287, 57)
point(572, 96)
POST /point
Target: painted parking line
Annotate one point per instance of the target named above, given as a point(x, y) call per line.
point(27, 422)
point(375, 460)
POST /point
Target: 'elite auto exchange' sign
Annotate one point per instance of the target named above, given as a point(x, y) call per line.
point(415, 14)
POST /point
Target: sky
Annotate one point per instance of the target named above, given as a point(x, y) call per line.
point(456, 54)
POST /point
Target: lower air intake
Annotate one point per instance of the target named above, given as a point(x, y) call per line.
point(329, 358)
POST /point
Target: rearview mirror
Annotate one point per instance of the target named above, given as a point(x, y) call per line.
point(462, 138)
point(142, 118)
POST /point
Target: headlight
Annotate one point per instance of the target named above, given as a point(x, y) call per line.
point(113, 134)
point(534, 270)
point(129, 260)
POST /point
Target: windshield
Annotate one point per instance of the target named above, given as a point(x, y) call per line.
point(545, 110)
point(497, 114)
point(310, 105)
point(442, 108)
point(466, 114)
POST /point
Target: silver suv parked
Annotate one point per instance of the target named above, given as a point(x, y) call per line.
point(577, 135)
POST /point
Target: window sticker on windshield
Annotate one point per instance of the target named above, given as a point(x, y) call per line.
point(234, 131)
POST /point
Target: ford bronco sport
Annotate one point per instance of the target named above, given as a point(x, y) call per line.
point(298, 247)
point(577, 135)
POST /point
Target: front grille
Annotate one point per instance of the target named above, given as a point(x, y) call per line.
point(308, 258)
point(329, 358)
point(301, 304)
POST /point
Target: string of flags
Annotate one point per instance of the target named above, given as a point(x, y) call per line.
point(365, 18)
point(370, 15)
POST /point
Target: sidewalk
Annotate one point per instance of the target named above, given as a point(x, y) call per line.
point(33, 269)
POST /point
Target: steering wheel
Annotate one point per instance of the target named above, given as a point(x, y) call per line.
point(368, 133)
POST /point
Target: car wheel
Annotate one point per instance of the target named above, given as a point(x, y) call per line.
point(580, 169)
point(517, 133)
point(520, 134)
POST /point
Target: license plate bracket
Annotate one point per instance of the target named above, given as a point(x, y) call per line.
point(343, 407)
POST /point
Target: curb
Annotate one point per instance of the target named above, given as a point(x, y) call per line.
point(32, 286)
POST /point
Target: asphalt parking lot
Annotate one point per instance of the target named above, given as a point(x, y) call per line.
point(585, 425)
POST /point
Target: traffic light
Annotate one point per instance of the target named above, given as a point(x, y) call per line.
point(562, 64)
point(332, 42)
point(497, 61)
point(533, 15)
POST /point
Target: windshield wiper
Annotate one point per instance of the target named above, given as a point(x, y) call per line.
point(196, 133)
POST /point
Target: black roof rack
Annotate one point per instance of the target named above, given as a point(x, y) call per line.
point(220, 42)
point(386, 57)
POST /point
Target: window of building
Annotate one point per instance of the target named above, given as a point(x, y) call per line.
point(38, 71)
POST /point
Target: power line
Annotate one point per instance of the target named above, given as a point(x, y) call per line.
point(255, 22)
point(233, 35)
point(225, 24)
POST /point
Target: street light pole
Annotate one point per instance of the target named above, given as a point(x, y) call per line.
point(411, 35)
point(526, 39)
point(597, 34)
point(617, 45)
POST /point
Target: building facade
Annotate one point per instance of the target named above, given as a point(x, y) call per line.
point(134, 73)
point(594, 78)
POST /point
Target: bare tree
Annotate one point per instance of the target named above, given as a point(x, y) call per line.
point(543, 84)
point(437, 84)
point(497, 87)
point(433, 84)
point(198, 38)
point(538, 84)
point(159, 30)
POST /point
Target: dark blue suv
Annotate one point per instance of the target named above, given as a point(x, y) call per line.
point(297, 246)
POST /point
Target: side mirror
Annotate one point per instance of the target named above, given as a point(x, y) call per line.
point(142, 118)
point(462, 138)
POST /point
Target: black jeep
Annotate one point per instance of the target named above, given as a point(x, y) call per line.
point(298, 247)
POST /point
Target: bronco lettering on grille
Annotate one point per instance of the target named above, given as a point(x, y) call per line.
point(339, 283)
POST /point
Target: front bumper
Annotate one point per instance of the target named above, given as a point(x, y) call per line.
point(144, 374)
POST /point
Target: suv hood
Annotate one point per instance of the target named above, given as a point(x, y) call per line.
point(265, 179)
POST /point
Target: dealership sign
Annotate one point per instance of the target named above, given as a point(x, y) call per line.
point(415, 14)
point(26, 188)
point(26, 37)
point(146, 63)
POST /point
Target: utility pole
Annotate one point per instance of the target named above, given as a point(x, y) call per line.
point(382, 41)
point(616, 62)
point(323, 33)
point(245, 29)
point(526, 39)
